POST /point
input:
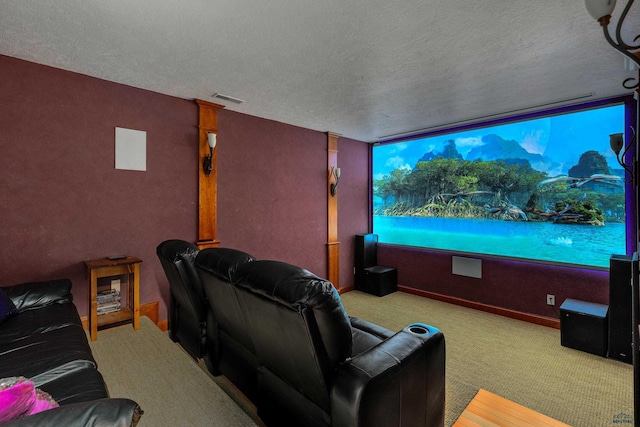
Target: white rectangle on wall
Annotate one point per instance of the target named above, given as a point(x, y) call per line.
point(131, 149)
point(470, 267)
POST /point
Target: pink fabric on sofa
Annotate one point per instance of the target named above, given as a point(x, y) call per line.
point(19, 398)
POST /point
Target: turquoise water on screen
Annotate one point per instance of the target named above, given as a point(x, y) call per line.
point(546, 241)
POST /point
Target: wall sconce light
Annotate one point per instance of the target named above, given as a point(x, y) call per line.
point(335, 173)
point(601, 11)
point(616, 142)
point(207, 163)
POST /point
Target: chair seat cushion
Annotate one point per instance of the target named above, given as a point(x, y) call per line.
point(82, 385)
point(50, 354)
point(32, 322)
point(366, 335)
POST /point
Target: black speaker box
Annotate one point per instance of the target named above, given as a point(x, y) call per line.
point(620, 322)
point(380, 280)
point(370, 277)
point(366, 255)
point(583, 326)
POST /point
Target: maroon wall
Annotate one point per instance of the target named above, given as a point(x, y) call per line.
point(61, 199)
point(513, 285)
point(272, 192)
point(353, 195)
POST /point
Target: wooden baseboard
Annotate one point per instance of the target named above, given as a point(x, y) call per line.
point(151, 310)
point(526, 317)
point(345, 289)
point(163, 325)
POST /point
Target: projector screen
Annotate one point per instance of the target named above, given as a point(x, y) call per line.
point(548, 189)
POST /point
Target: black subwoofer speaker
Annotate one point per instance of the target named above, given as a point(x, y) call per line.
point(620, 322)
point(583, 326)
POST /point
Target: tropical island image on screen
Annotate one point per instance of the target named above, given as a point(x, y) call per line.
point(547, 189)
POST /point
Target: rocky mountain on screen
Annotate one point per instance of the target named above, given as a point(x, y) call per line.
point(493, 148)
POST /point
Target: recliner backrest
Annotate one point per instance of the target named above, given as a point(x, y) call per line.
point(215, 267)
point(177, 259)
point(299, 327)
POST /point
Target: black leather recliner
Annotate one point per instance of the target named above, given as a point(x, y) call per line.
point(304, 362)
point(230, 349)
point(187, 305)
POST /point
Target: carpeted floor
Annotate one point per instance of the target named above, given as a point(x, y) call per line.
point(148, 367)
point(519, 361)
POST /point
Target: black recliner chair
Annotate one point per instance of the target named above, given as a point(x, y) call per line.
point(230, 350)
point(187, 306)
point(286, 341)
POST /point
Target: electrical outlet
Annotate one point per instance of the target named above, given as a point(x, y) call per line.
point(551, 299)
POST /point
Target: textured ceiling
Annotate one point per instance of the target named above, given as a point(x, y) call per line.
point(366, 69)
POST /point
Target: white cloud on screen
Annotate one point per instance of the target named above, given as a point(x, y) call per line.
point(535, 142)
point(464, 145)
point(397, 162)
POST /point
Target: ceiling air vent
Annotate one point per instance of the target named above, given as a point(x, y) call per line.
point(228, 98)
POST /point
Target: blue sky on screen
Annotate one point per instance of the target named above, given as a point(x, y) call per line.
point(562, 138)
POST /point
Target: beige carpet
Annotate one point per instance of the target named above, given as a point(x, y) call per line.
point(148, 367)
point(519, 361)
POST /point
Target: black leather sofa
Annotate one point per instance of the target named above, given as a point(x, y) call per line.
point(281, 335)
point(43, 340)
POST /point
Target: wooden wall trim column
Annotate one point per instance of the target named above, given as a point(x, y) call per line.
point(207, 185)
point(333, 246)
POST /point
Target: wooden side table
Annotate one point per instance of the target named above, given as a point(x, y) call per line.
point(106, 267)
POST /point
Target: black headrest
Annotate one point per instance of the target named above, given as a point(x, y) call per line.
point(174, 250)
point(287, 284)
point(222, 262)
